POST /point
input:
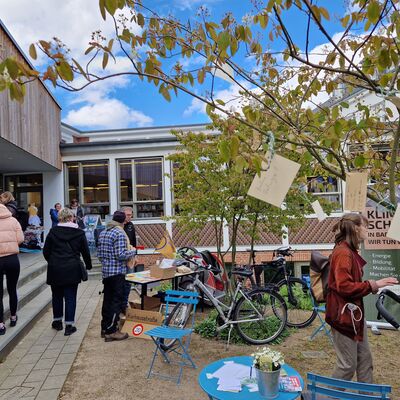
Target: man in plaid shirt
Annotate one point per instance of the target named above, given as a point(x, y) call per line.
point(113, 253)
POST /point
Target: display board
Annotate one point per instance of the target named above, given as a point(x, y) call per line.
point(383, 260)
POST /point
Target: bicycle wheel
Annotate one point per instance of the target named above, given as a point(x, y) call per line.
point(178, 317)
point(263, 315)
point(300, 311)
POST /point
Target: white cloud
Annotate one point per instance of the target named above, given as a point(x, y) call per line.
point(107, 113)
point(191, 4)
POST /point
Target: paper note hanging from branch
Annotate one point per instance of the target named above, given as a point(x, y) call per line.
point(394, 230)
point(226, 73)
point(272, 185)
point(318, 210)
point(356, 191)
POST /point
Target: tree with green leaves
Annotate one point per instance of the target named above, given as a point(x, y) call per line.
point(280, 93)
point(210, 187)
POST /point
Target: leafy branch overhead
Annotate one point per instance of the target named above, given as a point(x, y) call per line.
point(281, 92)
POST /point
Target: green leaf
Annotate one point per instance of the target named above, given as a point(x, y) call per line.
point(105, 60)
point(102, 6)
point(263, 19)
point(140, 19)
point(389, 112)
point(79, 68)
point(3, 84)
point(65, 71)
point(344, 104)
point(221, 102)
point(12, 68)
point(235, 143)
point(224, 150)
point(32, 51)
point(223, 40)
point(88, 50)
point(373, 11)
point(384, 59)
point(200, 76)
point(345, 20)
point(17, 92)
point(165, 92)
point(324, 12)
point(359, 161)
point(111, 6)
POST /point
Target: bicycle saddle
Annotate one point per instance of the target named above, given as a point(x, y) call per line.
point(242, 272)
point(284, 251)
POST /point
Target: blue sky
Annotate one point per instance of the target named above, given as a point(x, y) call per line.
point(124, 102)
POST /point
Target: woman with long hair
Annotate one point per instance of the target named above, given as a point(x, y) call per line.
point(10, 237)
point(62, 250)
point(8, 200)
point(344, 303)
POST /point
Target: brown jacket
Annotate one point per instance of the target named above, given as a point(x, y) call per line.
point(345, 285)
point(10, 233)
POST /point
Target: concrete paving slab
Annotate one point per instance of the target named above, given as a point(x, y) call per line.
point(46, 363)
point(53, 382)
point(37, 375)
point(48, 394)
point(22, 369)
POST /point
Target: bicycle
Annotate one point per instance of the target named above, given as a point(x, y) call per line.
point(259, 316)
point(295, 291)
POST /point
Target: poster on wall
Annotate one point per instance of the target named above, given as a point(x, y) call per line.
point(383, 260)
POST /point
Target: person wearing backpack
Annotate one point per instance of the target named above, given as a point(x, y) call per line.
point(344, 301)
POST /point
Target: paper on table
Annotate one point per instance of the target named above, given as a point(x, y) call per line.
point(356, 191)
point(318, 210)
point(230, 376)
point(273, 184)
point(394, 230)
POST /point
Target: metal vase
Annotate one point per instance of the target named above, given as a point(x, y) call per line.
point(268, 383)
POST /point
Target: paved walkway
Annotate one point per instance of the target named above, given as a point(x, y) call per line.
point(38, 367)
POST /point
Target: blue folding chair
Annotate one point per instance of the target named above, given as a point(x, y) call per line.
point(181, 336)
point(321, 387)
point(323, 326)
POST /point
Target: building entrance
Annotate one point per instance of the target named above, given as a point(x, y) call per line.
point(27, 190)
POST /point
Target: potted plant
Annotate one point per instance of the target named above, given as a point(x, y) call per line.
point(267, 364)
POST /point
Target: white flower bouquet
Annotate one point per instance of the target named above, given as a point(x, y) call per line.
point(267, 360)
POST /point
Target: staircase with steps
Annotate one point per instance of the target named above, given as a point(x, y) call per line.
point(34, 298)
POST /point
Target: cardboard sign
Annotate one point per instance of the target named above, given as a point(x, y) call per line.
point(356, 191)
point(318, 210)
point(379, 222)
point(394, 230)
point(273, 184)
point(140, 321)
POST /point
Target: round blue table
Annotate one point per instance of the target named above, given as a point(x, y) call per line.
point(210, 385)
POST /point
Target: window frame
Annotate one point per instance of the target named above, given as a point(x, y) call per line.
point(133, 203)
point(81, 183)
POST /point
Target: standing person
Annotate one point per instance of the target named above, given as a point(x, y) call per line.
point(8, 200)
point(78, 213)
point(54, 214)
point(34, 220)
point(63, 247)
point(10, 237)
point(130, 232)
point(344, 303)
point(113, 254)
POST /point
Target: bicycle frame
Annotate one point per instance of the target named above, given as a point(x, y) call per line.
point(220, 307)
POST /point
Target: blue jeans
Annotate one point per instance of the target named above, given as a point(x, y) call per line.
point(67, 294)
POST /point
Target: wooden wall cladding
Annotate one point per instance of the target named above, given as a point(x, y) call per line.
point(35, 124)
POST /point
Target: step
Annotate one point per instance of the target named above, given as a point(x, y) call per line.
point(26, 293)
point(27, 316)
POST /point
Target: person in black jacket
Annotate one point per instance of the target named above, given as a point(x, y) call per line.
point(77, 211)
point(130, 232)
point(62, 249)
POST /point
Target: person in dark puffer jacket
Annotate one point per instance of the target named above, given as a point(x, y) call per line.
point(63, 247)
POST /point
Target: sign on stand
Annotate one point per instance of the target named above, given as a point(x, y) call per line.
point(383, 260)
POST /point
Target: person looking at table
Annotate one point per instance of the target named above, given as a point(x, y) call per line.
point(130, 232)
point(344, 303)
point(113, 254)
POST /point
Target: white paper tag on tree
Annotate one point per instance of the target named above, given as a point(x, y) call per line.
point(273, 184)
point(318, 210)
point(394, 230)
point(356, 191)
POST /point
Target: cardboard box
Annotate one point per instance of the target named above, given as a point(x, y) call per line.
point(162, 273)
point(140, 321)
point(150, 303)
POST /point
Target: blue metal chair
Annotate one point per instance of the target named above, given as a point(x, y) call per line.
point(323, 326)
point(321, 387)
point(181, 336)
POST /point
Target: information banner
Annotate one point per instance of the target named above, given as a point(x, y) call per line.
point(383, 260)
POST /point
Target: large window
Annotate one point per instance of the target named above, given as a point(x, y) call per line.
point(326, 189)
point(88, 183)
point(141, 186)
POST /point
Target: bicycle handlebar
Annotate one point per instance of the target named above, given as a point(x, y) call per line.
point(382, 312)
